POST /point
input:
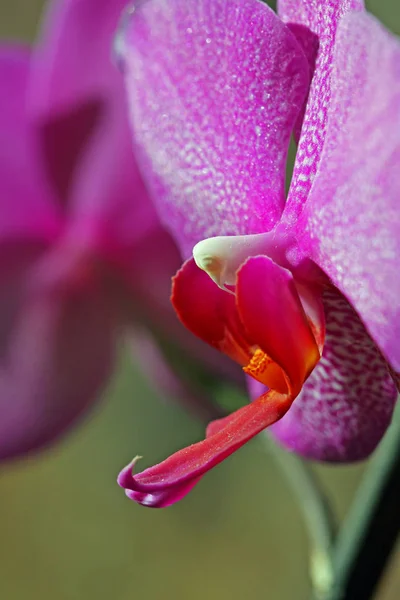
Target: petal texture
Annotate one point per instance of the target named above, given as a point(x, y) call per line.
point(346, 404)
point(214, 89)
point(352, 217)
point(321, 18)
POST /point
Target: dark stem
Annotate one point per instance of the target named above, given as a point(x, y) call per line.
point(370, 531)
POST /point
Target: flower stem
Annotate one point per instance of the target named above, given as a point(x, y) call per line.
point(370, 530)
point(316, 514)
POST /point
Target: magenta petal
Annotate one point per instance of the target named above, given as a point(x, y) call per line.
point(346, 404)
point(352, 216)
point(322, 18)
point(214, 89)
point(77, 94)
point(55, 355)
point(27, 209)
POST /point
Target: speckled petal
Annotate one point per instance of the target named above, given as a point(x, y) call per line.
point(352, 217)
point(214, 87)
point(321, 17)
point(347, 402)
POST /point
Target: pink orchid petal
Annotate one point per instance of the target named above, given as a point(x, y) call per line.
point(214, 89)
point(322, 18)
point(27, 209)
point(169, 481)
point(77, 94)
point(346, 404)
point(352, 220)
point(55, 356)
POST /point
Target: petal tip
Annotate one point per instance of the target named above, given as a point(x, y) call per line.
point(125, 477)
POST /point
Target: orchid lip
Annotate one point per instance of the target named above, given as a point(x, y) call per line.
point(248, 327)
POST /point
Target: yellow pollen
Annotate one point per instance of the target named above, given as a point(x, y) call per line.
point(258, 364)
point(265, 370)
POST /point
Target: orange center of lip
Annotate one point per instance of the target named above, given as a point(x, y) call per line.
point(263, 369)
point(254, 361)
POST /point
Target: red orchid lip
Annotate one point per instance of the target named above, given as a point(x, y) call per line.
point(169, 481)
point(263, 327)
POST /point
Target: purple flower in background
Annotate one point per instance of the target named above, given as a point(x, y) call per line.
point(303, 289)
point(82, 251)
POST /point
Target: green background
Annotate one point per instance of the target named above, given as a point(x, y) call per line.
point(67, 532)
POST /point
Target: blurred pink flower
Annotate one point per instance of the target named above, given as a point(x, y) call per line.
point(82, 252)
point(303, 290)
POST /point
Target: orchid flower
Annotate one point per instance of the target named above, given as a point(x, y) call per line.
point(303, 292)
point(80, 242)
